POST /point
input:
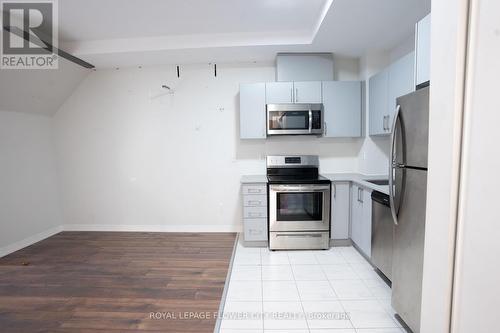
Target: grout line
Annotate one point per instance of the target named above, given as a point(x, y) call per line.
point(261, 290)
point(298, 292)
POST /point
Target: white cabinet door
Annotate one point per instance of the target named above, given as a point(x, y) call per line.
point(356, 215)
point(279, 92)
point(307, 92)
point(377, 103)
point(366, 223)
point(342, 108)
point(253, 111)
point(423, 50)
point(401, 82)
point(340, 210)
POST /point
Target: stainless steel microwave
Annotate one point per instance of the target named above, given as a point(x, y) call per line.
point(294, 119)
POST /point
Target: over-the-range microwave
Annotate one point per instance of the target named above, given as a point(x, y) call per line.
point(294, 119)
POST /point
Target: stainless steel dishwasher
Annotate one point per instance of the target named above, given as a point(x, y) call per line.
point(382, 233)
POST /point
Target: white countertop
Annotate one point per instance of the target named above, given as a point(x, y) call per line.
point(252, 179)
point(357, 178)
point(360, 179)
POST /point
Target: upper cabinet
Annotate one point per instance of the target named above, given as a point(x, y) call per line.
point(293, 92)
point(378, 86)
point(253, 111)
point(279, 92)
point(384, 88)
point(307, 92)
point(423, 50)
point(342, 108)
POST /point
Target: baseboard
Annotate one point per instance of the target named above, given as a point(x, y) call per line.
point(29, 241)
point(151, 228)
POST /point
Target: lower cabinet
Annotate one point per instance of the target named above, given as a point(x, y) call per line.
point(361, 218)
point(340, 210)
point(254, 212)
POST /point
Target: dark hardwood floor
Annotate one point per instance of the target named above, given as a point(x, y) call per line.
point(113, 281)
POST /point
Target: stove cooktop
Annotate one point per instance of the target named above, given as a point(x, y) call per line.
point(274, 179)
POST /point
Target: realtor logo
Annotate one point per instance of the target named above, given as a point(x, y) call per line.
point(29, 35)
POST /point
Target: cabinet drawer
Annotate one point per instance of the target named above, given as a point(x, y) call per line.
point(254, 212)
point(255, 200)
point(254, 189)
point(255, 229)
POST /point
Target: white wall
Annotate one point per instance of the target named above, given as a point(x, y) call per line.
point(476, 291)
point(173, 162)
point(29, 201)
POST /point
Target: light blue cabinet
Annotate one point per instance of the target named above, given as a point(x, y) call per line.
point(384, 88)
point(279, 92)
point(378, 86)
point(401, 82)
point(340, 210)
point(423, 50)
point(342, 108)
point(307, 92)
point(253, 111)
point(361, 218)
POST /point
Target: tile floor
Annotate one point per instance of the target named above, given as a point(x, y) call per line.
point(334, 291)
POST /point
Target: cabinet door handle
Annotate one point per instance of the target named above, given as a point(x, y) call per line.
point(361, 195)
point(296, 95)
point(254, 202)
point(254, 231)
point(254, 190)
point(325, 128)
point(291, 95)
point(334, 190)
point(255, 214)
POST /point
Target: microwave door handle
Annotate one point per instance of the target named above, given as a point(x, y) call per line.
point(310, 120)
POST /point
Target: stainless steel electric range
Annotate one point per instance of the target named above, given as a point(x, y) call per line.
point(299, 203)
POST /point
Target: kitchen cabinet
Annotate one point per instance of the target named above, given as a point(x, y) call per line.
point(340, 210)
point(423, 50)
point(253, 111)
point(383, 88)
point(279, 92)
point(254, 212)
point(342, 108)
point(361, 218)
point(293, 92)
point(307, 92)
point(378, 86)
point(401, 82)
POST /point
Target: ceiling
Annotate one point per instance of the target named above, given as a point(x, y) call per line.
point(112, 33)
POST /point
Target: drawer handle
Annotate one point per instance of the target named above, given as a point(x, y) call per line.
point(299, 235)
point(255, 202)
point(254, 190)
point(255, 231)
point(255, 214)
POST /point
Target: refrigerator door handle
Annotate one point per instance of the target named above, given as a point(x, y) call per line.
point(393, 165)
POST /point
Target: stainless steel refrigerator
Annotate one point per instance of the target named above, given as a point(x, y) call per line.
point(407, 187)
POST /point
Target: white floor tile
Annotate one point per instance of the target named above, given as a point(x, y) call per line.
point(339, 272)
point(368, 314)
point(351, 289)
point(308, 273)
point(302, 258)
point(230, 330)
point(330, 257)
point(285, 331)
point(245, 291)
point(315, 291)
point(380, 330)
point(378, 288)
point(274, 257)
point(385, 303)
point(334, 330)
point(242, 315)
point(277, 273)
point(245, 258)
point(280, 291)
point(284, 316)
point(326, 315)
point(246, 273)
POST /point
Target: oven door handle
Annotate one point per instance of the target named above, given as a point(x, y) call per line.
point(308, 188)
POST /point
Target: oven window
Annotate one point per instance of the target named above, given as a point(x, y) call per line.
point(300, 206)
point(292, 120)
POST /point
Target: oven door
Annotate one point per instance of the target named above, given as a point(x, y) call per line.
point(293, 119)
point(299, 207)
